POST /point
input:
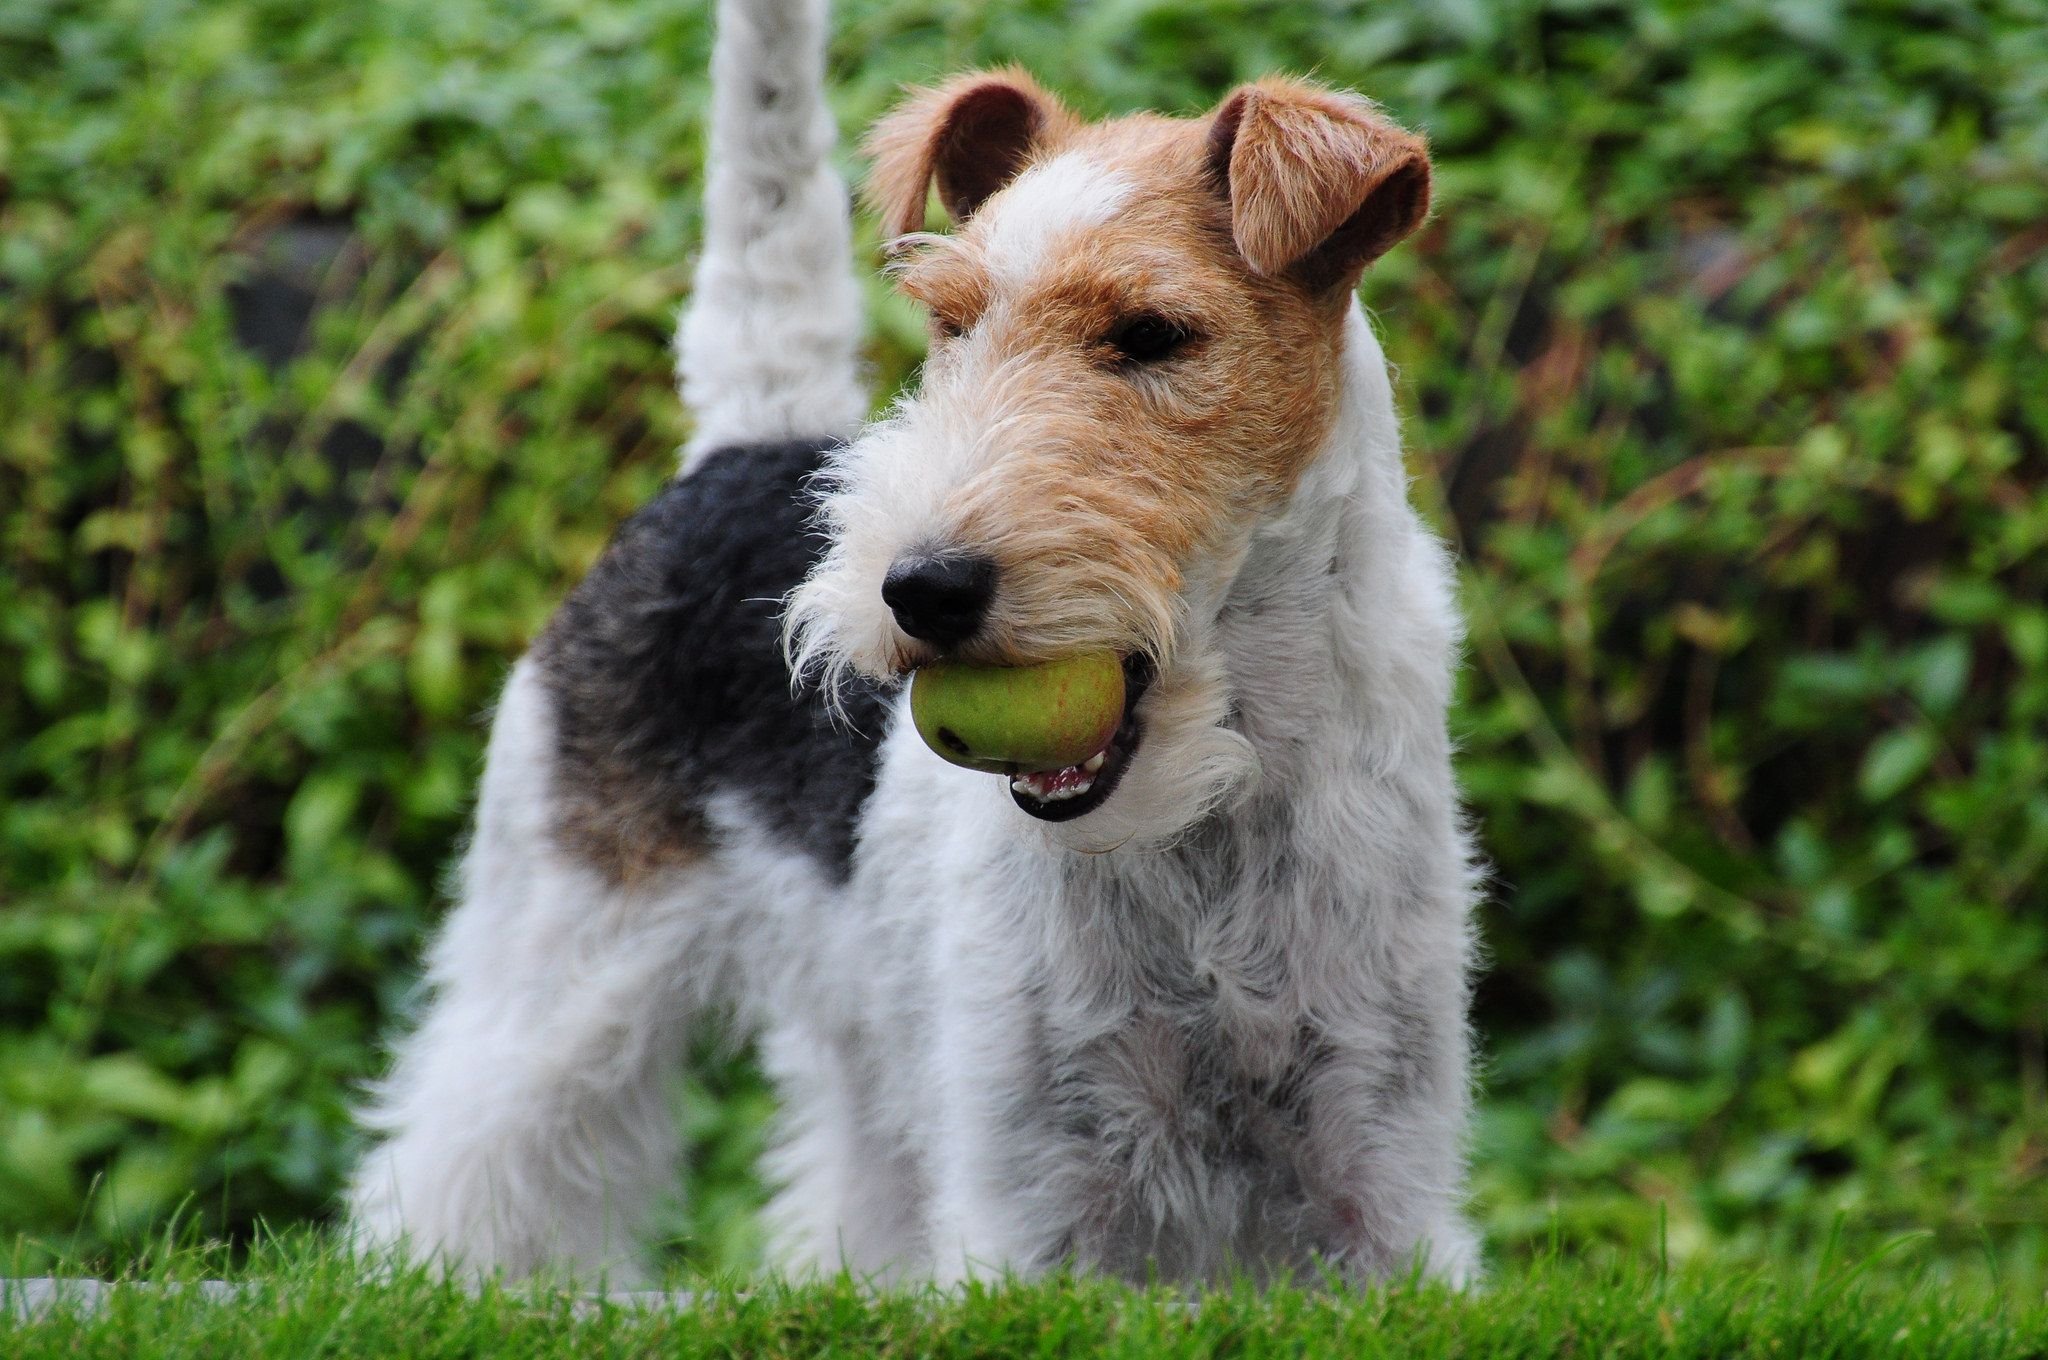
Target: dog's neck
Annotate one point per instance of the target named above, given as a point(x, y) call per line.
point(1324, 588)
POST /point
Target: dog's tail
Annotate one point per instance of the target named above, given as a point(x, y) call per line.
point(767, 347)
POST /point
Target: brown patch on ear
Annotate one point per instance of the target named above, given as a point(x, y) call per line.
point(1320, 184)
point(970, 136)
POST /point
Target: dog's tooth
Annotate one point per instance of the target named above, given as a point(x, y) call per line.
point(1094, 762)
point(1057, 786)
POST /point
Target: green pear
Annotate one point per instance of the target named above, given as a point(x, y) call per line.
point(1015, 719)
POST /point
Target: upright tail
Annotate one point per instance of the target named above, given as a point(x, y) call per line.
point(767, 346)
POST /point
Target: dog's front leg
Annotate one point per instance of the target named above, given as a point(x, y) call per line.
point(1001, 1171)
point(1383, 1160)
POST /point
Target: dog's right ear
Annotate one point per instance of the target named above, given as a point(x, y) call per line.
point(969, 136)
point(1320, 183)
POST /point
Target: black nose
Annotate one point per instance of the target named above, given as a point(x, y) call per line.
point(940, 599)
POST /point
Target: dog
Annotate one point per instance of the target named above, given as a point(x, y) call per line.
point(1193, 1009)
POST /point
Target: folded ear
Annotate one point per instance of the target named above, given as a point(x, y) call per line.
point(970, 136)
point(1320, 184)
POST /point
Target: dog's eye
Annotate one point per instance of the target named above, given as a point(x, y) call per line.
point(1147, 339)
point(945, 328)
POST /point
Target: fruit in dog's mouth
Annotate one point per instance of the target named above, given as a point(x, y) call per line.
point(1044, 722)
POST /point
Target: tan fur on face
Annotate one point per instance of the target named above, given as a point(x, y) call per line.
point(1109, 491)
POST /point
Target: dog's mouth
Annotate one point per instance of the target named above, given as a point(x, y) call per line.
point(1076, 790)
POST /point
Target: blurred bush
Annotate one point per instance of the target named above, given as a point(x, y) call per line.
point(332, 346)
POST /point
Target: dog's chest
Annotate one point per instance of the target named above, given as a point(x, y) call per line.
point(1182, 1083)
point(1194, 1126)
point(1196, 1038)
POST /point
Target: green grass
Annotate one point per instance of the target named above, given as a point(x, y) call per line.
point(300, 1300)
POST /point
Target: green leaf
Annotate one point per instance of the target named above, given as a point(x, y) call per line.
point(1940, 672)
point(1893, 761)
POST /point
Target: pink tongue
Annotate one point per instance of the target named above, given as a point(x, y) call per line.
point(1045, 782)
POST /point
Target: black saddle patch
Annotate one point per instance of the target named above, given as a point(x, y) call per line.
point(666, 671)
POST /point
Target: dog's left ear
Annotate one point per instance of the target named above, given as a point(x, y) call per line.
point(968, 138)
point(1320, 184)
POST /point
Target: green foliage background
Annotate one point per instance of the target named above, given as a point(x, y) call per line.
point(332, 346)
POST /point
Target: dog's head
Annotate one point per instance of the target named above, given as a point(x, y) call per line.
point(1136, 329)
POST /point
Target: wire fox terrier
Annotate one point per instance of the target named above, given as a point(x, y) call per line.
point(1190, 1008)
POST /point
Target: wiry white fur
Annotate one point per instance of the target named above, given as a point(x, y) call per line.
point(1023, 225)
point(768, 346)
